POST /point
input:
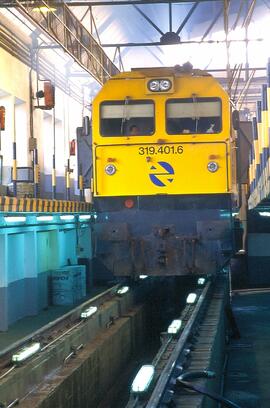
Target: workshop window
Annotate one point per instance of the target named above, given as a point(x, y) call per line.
point(193, 115)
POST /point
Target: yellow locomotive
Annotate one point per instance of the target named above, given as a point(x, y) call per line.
point(164, 169)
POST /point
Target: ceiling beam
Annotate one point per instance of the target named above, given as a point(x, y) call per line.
point(212, 23)
point(12, 3)
point(158, 43)
point(189, 14)
point(148, 20)
point(127, 2)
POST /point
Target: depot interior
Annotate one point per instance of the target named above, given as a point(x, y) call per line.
point(48, 79)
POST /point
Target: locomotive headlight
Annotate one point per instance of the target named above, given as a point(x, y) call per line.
point(159, 85)
point(110, 169)
point(165, 85)
point(153, 85)
point(212, 166)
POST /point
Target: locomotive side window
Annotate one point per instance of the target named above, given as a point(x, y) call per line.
point(193, 115)
point(127, 118)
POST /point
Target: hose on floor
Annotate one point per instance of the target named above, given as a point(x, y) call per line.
point(181, 381)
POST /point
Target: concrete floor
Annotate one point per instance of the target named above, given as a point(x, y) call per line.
point(29, 324)
point(248, 371)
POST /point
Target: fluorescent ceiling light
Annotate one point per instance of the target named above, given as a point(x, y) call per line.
point(174, 326)
point(88, 312)
point(191, 298)
point(143, 379)
point(67, 217)
point(25, 352)
point(44, 218)
point(264, 214)
point(84, 217)
point(15, 219)
point(201, 281)
point(123, 290)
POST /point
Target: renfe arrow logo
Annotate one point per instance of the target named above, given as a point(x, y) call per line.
point(161, 175)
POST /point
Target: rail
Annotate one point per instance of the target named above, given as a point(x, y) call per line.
point(63, 324)
point(167, 372)
point(191, 353)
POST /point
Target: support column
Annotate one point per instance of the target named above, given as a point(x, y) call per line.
point(8, 138)
point(31, 276)
point(3, 283)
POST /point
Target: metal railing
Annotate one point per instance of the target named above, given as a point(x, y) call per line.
point(64, 28)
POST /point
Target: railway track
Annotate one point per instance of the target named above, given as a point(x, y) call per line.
point(49, 334)
point(195, 352)
point(192, 349)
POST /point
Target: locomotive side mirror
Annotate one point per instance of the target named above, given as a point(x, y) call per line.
point(236, 120)
point(86, 126)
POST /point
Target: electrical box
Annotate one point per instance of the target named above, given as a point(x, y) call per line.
point(3, 190)
point(84, 156)
point(32, 143)
point(25, 175)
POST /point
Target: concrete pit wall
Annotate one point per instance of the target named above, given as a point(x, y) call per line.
point(83, 380)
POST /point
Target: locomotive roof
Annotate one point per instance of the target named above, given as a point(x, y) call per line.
point(178, 70)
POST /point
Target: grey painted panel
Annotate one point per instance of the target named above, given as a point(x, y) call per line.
point(258, 245)
point(3, 310)
point(43, 290)
point(259, 270)
point(16, 300)
point(6, 177)
point(22, 296)
point(84, 155)
point(31, 296)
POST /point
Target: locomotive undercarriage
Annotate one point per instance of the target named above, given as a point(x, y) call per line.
point(161, 235)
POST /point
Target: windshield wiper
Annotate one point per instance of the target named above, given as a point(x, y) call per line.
point(195, 102)
point(124, 118)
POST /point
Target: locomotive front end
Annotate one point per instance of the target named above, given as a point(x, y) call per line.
point(162, 173)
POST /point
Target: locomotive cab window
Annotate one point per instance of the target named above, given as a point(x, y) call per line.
point(127, 118)
point(193, 115)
